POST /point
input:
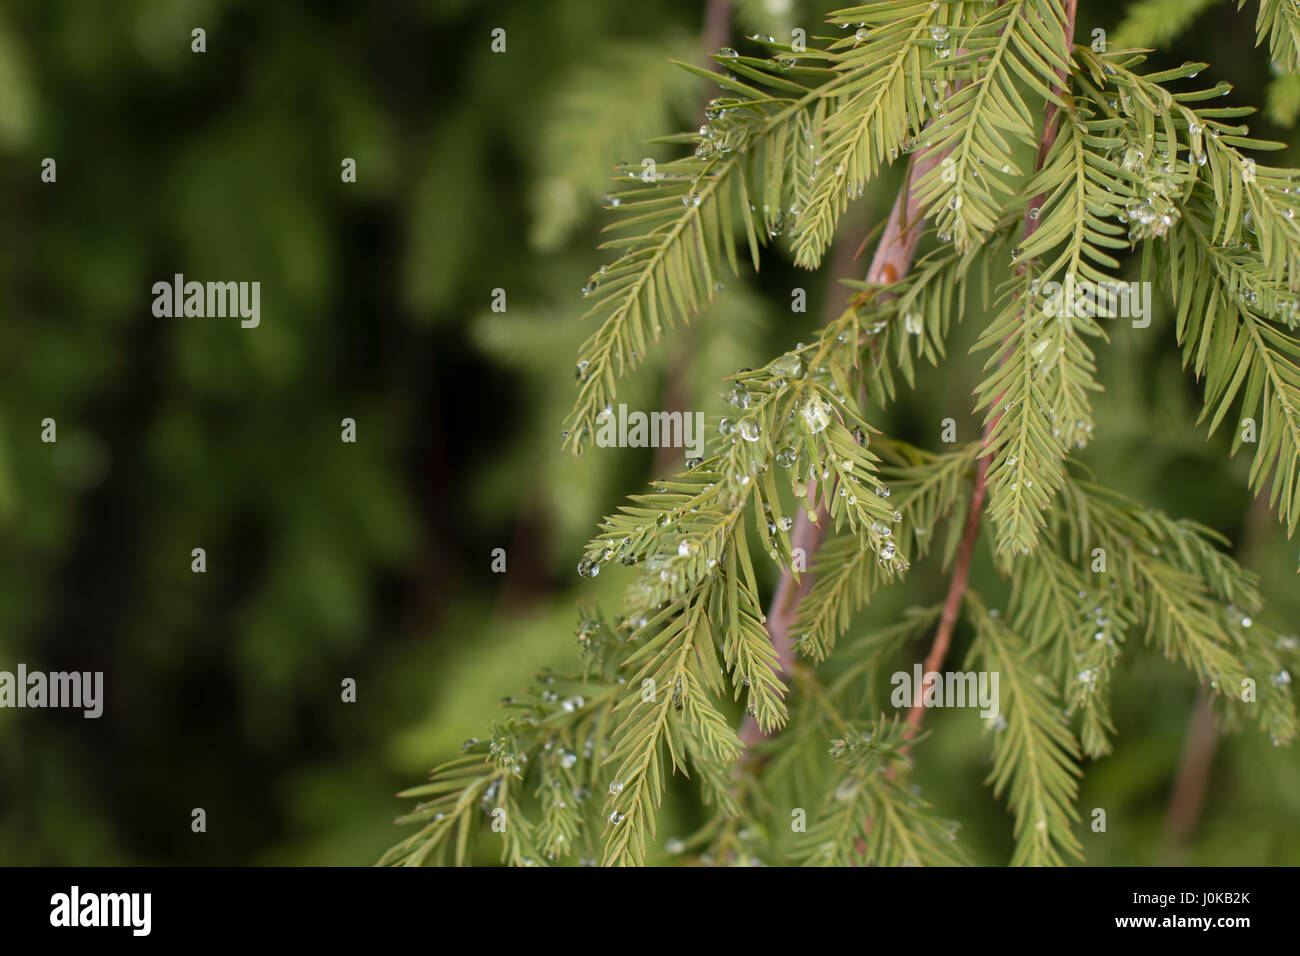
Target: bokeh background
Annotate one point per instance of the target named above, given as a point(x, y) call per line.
point(476, 171)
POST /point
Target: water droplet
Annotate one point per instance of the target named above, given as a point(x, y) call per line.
point(789, 365)
point(816, 414)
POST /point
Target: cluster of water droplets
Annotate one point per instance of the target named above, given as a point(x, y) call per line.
point(887, 552)
point(728, 125)
point(507, 754)
point(860, 31)
point(939, 34)
point(1153, 208)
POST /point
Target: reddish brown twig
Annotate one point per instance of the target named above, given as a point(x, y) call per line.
point(891, 261)
point(1188, 795)
point(956, 591)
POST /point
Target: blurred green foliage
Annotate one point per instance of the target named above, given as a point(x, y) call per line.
point(476, 171)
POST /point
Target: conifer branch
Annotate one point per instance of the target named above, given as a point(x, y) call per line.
point(1014, 45)
point(871, 115)
point(1278, 22)
point(925, 488)
point(890, 263)
point(1123, 161)
point(961, 569)
point(868, 816)
point(1034, 753)
point(682, 221)
point(1036, 399)
point(1230, 242)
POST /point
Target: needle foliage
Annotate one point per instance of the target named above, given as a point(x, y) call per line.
point(1146, 166)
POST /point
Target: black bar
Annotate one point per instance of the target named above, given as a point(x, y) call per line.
point(434, 907)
